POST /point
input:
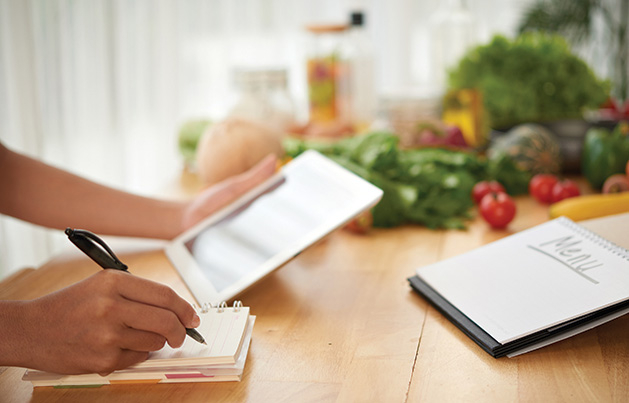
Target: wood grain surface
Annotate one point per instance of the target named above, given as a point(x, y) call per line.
point(340, 323)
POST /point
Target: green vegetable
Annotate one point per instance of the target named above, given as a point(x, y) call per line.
point(429, 186)
point(188, 138)
point(504, 169)
point(533, 78)
point(605, 153)
point(533, 148)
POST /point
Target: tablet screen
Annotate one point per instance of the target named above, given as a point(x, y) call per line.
point(279, 218)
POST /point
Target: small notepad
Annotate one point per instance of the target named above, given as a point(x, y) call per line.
point(223, 329)
point(227, 332)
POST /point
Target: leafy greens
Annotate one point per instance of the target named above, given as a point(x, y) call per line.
point(429, 186)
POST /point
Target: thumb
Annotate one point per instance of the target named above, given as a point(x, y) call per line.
point(223, 193)
point(247, 180)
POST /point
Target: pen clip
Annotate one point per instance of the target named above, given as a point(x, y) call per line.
point(75, 235)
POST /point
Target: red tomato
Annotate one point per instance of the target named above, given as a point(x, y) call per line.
point(498, 209)
point(564, 189)
point(361, 224)
point(541, 187)
point(484, 187)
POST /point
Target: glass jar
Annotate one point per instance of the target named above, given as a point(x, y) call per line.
point(452, 33)
point(327, 74)
point(263, 97)
point(360, 58)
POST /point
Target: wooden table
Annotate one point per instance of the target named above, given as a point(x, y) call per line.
point(340, 323)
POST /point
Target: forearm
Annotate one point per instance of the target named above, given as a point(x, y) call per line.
point(13, 334)
point(47, 196)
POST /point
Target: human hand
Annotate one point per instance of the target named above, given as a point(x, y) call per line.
point(106, 322)
point(221, 194)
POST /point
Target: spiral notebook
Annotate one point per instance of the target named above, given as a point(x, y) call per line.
point(227, 332)
point(532, 288)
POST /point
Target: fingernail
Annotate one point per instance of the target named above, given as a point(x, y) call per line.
point(196, 321)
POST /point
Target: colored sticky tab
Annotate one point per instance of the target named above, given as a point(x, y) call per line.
point(184, 376)
point(132, 381)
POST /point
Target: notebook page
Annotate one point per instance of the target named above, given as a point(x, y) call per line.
point(614, 228)
point(223, 332)
point(533, 280)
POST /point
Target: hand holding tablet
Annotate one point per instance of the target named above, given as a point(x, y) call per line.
point(232, 249)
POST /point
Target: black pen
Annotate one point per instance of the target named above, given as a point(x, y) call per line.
point(98, 251)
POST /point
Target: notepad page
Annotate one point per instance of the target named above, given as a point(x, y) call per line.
point(220, 372)
point(533, 280)
point(223, 332)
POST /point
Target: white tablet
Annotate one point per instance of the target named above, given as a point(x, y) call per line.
point(229, 251)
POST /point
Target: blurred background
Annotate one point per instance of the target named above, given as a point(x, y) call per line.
point(103, 87)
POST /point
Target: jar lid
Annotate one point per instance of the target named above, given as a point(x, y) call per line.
point(326, 28)
point(357, 19)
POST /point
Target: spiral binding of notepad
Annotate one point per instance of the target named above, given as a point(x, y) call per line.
point(207, 306)
point(594, 237)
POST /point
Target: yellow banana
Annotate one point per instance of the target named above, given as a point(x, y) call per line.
point(591, 206)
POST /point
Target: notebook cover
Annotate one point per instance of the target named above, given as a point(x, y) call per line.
point(461, 321)
point(489, 344)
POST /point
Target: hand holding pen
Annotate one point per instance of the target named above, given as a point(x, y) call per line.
point(106, 322)
point(99, 252)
